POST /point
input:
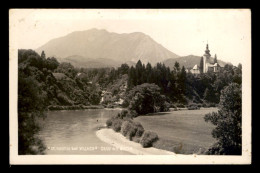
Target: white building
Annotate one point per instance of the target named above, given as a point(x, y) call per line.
point(195, 70)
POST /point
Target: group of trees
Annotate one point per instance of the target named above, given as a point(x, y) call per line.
point(177, 85)
point(172, 83)
point(146, 98)
point(184, 87)
point(228, 122)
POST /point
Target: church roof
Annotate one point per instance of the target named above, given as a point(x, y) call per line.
point(216, 65)
point(195, 67)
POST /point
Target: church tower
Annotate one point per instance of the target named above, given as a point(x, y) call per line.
point(206, 57)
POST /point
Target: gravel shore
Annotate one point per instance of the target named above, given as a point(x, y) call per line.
point(118, 141)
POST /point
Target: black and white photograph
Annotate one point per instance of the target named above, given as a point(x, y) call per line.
point(130, 86)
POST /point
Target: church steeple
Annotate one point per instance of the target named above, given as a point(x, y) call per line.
point(207, 51)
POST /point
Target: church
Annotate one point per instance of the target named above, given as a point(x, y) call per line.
point(210, 64)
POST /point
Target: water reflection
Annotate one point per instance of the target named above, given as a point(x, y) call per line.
point(73, 132)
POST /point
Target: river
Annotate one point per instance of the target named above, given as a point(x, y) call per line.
point(70, 132)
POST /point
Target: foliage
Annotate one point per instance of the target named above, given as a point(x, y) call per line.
point(74, 107)
point(67, 69)
point(30, 108)
point(193, 107)
point(146, 98)
point(127, 114)
point(132, 129)
point(109, 122)
point(177, 85)
point(201, 65)
point(228, 122)
point(128, 129)
point(148, 138)
point(116, 124)
point(63, 83)
point(140, 129)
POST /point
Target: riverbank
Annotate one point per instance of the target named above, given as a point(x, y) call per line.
point(74, 107)
point(80, 107)
point(119, 141)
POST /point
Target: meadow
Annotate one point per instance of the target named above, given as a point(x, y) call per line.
point(182, 131)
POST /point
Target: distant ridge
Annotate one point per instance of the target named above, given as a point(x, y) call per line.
point(188, 61)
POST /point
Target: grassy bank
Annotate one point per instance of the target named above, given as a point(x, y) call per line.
point(182, 132)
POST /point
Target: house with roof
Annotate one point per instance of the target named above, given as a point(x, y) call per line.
point(106, 96)
point(195, 69)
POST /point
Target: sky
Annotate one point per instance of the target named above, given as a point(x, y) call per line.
point(182, 31)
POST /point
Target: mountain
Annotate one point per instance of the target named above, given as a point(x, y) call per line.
point(188, 61)
point(102, 48)
point(79, 61)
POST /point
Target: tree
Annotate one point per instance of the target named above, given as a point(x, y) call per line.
point(31, 105)
point(139, 72)
point(201, 65)
point(215, 59)
point(52, 63)
point(228, 119)
point(176, 67)
point(43, 55)
point(182, 80)
point(67, 69)
point(146, 98)
point(123, 69)
point(149, 73)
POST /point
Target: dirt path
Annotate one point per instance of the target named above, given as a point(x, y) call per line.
point(118, 141)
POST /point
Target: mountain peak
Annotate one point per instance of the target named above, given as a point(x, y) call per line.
point(99, 43)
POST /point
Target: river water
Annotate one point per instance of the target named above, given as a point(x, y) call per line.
point(74, 132)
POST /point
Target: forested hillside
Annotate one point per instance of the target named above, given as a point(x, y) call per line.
point(60, 84)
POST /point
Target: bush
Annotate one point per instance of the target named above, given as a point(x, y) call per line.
point(109, 122)
point(193, 107)
point(128, 129)
point(212, 105)
point(125, 114)
point(132, 114)
point(116, 124)
point(110, 106)
point(122, 114)
point(208, 105)
point(148, 139)
point(173, 105)
point(180, 105)
point(132, 129)
point(165, 107)
point(140, 129)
